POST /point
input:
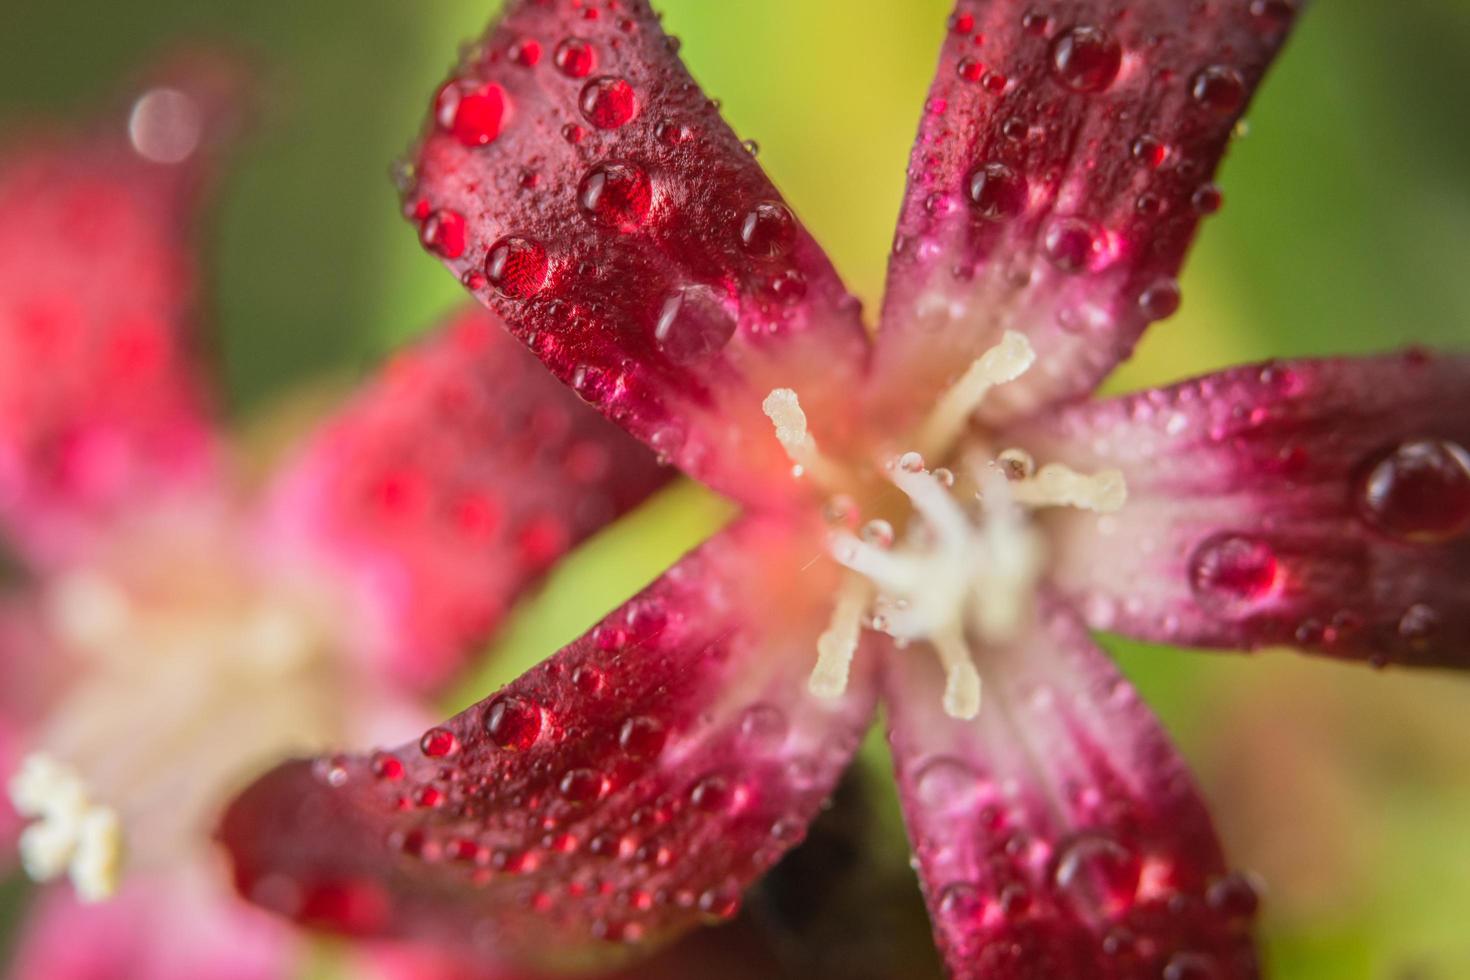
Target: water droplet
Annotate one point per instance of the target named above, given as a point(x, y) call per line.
point(720, 903)
point(768, 230)
point(1419, 491)
point(910, 462)
point(1273, 15)
point(516, 267)
point(947, 783)
point(616, 195)
point(588, 679)
point(1098, 871)
point(386, 767)
point(693, 325)
point(1086, 59)
point(712, 794)
point(1219, 88)
point(582, 786)
point(962, 23)
point(609, 102)
point(474, 116)
point(1206, 199)
point(575, 58)
point(1149, 151)
point(526, 53)
point(1191, 966)
point(961, 902)
point(997, 193)
point(512, 722)
point(443, 233)
point(165, 126)
point(1036, 24)
point(573, 133)
point(1070, 244)
point(763, 726)
point(878, 533)
point(1231, 573)
point(1419, 626)
point(438, 743)
point(1161, 299)
point(751, 147)
point(969, 69)
point(1234, 895)
point(672, 133)
point(642, 737)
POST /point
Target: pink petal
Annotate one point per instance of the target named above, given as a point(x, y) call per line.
point(181, 927)
point(1322, 504)
point(1063, 162)
point(448, 487)
point(579, 183)
point(1059, 833)
point(100, 396)
point(628, 787)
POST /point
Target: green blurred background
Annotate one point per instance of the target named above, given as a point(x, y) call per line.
point(1346, 229)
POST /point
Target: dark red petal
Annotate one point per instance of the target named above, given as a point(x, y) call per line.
point(447, 488)
point(630, 786)
point(626, 236)
point(1059, 834)
point(1051, 187)
point(100, 398)
point(1322, 504)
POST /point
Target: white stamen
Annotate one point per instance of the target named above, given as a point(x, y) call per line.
point(838, 643)
point(1000, 597)
point(70, 833)
point(784, 410)
point(1056, 485)
point(961, 679)
point(1004, 362)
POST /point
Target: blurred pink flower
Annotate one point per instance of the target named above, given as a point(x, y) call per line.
point(172, 631)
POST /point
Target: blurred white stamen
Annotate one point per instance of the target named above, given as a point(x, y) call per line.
point(1004, 362)
point(961, 679)
point(70, 832)
point(838, 643)
point(1055, 485)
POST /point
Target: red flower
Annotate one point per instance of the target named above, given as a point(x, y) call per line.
point(928, 515)
point(172, 633)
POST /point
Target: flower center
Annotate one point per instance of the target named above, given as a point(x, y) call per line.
point(963, 570)
point(186, 670)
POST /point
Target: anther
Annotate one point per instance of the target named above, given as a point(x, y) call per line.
point(784, 410)
point(71, 833)
point(1056, 485)
point(961, 679)
point(1004, 362)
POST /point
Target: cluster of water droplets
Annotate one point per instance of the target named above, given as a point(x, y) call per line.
point(1039, 898)
point(1088, 59)
point(619, 194)
point(563, 794)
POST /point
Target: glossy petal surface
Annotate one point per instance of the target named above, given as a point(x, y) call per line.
point(137, 934)
point(629, 786)
point(1321, 504)
point(1062, 164)
point(99, 395)
point(448, 487)
point(1059, 834)
point(596, 201)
